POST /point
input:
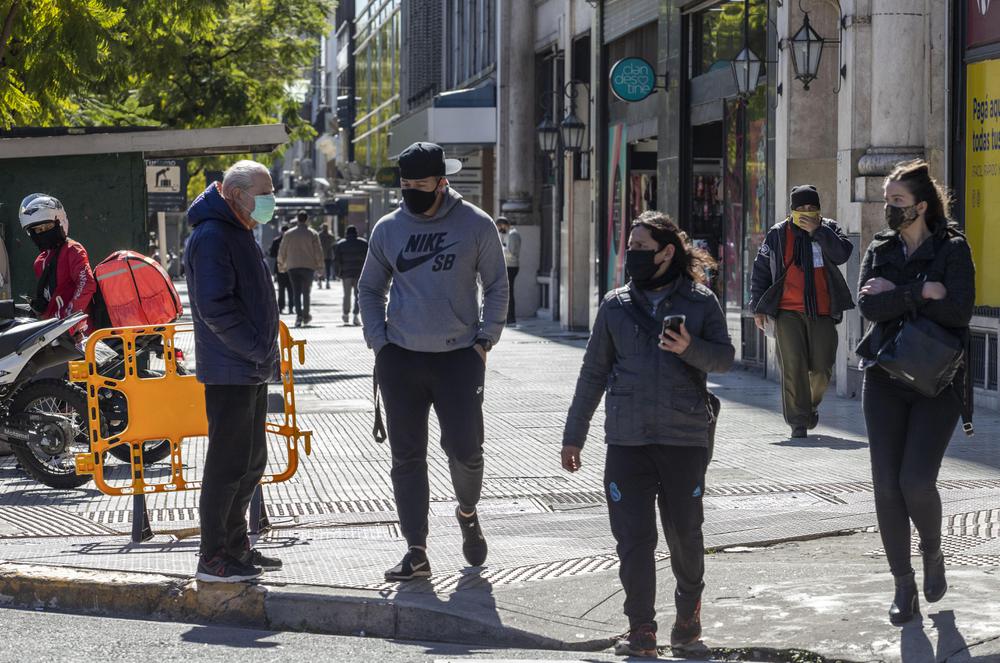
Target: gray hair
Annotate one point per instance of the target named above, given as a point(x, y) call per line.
point(240, 175)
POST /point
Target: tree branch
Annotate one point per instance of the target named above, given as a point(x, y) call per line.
point(8, 27)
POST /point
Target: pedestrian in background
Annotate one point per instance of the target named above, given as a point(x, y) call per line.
point(431, 344)
point(920, 267)
point(236, 339)
point(659, 420)
point(301, 257)
point(281, 278)
point(327, 240)
point(349, 257)
point(511, 240)
point(799, 295)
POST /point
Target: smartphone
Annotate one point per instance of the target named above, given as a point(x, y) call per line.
point(673, 323)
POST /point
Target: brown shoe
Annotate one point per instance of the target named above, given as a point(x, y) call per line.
point(640, 641)
point(687, 628)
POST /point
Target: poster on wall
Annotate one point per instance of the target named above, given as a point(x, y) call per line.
point(982, 175)
point(617, 200)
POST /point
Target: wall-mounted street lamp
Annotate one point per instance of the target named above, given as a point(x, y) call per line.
point(746, 70)
point(807, 53)
point(548, 136)
point(807, 50)
point(568, 135)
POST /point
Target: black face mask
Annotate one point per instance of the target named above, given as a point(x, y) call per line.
point(49, 239)
point(418, 201)
point(898, 218)
point(640, 265)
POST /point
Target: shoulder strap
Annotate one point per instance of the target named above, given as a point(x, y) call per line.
point(378, 430)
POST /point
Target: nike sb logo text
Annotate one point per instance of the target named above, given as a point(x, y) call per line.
point(432, 247)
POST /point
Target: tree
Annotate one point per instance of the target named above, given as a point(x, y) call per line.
point(49, 51)
point(171, 63)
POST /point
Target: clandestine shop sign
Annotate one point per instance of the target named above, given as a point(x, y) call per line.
point(982, 176)
point(632, 79)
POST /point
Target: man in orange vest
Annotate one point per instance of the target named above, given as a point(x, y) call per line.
point(799, 295)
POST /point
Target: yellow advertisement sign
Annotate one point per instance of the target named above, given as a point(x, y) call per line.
point(982, 176)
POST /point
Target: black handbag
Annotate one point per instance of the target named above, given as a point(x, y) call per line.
point(923, 355)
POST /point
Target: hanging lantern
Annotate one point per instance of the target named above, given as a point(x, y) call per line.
point(746, 71)
point(807, 49)
point(548, 136)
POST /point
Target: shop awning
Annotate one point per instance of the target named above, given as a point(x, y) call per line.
point(460, 117)
point(156, 144)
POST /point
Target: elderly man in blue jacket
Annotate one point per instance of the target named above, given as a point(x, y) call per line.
point(236, 340)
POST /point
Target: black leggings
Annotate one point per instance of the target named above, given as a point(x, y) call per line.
point(908, 435)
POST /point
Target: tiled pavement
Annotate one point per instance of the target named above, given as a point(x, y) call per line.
point(335, 523)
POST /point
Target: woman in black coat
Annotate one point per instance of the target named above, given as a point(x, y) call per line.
point(920, 266)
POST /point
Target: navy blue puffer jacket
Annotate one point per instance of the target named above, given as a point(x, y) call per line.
point(232, 299)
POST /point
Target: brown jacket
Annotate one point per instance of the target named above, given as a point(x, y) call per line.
point(300, 249)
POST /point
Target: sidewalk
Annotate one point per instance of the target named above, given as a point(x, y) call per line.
point(551, 579)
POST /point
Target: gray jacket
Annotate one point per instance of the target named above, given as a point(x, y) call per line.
point(512, 248)
point(429, 267)
point(651, 396)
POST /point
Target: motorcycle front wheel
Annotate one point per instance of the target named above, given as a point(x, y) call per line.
point(53, 460)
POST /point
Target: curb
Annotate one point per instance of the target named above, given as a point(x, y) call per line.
point(328, 611)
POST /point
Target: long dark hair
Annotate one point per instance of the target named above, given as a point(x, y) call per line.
point(916, 177)
point(694, 262)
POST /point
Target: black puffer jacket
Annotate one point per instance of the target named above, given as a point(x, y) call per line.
point(884, 258)
point(349, 256)
point(652, 396)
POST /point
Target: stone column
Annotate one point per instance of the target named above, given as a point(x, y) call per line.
point(898, 75)
point(517, 112)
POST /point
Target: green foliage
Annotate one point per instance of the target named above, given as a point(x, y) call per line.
point(171, 63)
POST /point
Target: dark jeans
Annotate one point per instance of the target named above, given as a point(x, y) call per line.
point(350, 289)
point(807, 350)
point(451, 383)
point(284, 285)
point(636, 479)
point(907, 438)
point(302, 283)
point(237, 456)
point(331, 273)
point(511, 308)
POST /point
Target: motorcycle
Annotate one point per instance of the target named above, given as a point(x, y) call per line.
point(43, 416)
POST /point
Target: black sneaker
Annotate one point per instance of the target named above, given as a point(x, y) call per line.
point(473, 541)
point(224, 568)
point(640, 641)
point(413, 565)
point(799, 432)
point(254, 557)
point(687, 628)
point(813, 420)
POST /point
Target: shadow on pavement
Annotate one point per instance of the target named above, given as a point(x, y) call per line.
point(44, 496)
point(822, 442)
point(229, 637)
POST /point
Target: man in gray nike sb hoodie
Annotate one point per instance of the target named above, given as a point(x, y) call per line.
point(431, 343)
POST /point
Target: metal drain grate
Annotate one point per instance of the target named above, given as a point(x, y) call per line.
point(45, 521)
point(532, 573)
point(954, 548)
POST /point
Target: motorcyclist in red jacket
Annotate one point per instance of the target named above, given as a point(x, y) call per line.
point(66, 284)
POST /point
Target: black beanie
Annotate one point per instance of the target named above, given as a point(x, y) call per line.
point(805, 194)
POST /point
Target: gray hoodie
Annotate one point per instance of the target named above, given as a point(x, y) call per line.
point(432, 264)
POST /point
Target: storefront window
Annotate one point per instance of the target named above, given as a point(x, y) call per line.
point(756, 219)
point(377, 64)
point(717, 34)
point(732, 252)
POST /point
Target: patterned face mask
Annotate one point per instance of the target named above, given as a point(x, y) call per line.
point(898, 218)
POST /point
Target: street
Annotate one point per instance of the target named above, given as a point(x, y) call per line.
point(552, 566)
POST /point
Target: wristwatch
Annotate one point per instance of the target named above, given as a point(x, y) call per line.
point(485, 343)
